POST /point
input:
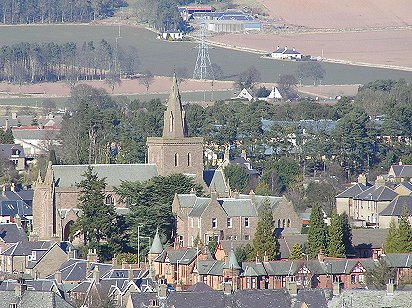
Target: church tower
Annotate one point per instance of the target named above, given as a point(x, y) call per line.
point(175, 152)
point(44, 212)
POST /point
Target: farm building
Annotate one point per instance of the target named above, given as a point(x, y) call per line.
point(231, 26)
point(187, 11)
point(285, 53)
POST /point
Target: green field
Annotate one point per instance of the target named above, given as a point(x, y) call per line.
point(162, 57)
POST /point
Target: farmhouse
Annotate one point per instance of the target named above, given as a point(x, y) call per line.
point(286, 54)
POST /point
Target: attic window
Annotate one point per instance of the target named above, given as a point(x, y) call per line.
point(214, 223)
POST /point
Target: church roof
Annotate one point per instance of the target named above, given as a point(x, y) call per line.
point(69, 175)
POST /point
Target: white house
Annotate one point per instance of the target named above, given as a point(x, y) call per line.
point(285, 53)
point(244, 94)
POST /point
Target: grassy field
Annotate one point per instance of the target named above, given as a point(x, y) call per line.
point(163, 57)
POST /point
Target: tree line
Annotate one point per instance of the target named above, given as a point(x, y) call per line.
point(49, 11)
point(34, 62)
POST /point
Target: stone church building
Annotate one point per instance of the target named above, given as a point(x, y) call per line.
point(55, 200)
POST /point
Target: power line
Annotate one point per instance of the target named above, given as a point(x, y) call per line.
point(203, 68)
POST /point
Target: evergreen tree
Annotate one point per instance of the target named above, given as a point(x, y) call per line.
point(97, 221)
point(317, 234)
point(212, 245)
point(347, 233)
point(264, 242)
point(237, 176)
point(391, 243)
point(404, 233)
point(198, 241)
point(6, 137)
point(250, 252)
point(336, 245)
point(240, 254)
point(296, 252)
point(379, 275)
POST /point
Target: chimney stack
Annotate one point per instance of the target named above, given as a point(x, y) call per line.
point(362, 179)
point(162, 291)
point(58, 276)
point(292, 288)
point(390, 287)
point(227, 288)
point(114, 262)
point(96, 273)
point(17, 220)
point(336, 289)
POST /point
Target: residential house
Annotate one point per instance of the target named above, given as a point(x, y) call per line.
point(16, 202)
point(344, 200)
point(15, 154)
point(10, 234)
point(394, 210)
point(21, 297)
point(36, 141)
point(244, 95)
point(286, 54)
point(232, 218)
point(400, 173)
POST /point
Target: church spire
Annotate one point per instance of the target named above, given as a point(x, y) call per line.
point(174, 117)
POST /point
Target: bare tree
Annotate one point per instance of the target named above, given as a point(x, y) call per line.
point(248, 78)
point(147, 79)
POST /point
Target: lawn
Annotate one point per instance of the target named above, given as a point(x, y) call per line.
point(162, 57)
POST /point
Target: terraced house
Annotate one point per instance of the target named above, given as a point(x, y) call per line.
point(233, 218)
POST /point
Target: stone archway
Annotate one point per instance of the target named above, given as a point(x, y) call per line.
point(66, 230)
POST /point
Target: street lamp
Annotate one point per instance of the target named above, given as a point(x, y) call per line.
point(138, 245)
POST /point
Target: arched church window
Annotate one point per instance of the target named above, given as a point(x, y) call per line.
point(278, 223)
point(109, 199)
point(288, 224)
point(189, 159)
point(283, 223)
point(176, 159)
point(171, 122)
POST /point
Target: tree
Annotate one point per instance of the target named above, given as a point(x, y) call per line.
point(6, 137)
point(250, 252)
point(347, 233)
point(237, 176)
point(313, 70)
point(317, 234)
point(287, 81)
point(248, 78)
point(399, 238)
point(146, 79)
point(98, 217)
point(296, 252)
point(240, 254)
point(336, 245)
point(265, 243)
point(379, 275)
point(211, 245)
point(391, 242)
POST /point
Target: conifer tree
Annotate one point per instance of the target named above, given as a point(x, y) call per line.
point(98, 218)
point(317, 234)
point(264, 242)
point(391, 242)
point(250, 252)
point(198, 241)
point(347, 233)
point(296, 252)
point(404, 232)
point(336, 245)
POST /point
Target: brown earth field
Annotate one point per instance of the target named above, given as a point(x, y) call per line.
point(61, 89)
point(342, 13)
point(386, 48)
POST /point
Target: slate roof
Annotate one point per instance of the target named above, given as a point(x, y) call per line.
point(210, 267)
point(231, 262)
point(353, 191)
point(36, 134)
point(13, 207)
point(406, 184)
point(69, 175)
point(157, 246)
point(75, 270)
point(24, 248)
point(399, 260)
point(199, 207)
point(10, 233)
point(186, 200)
point(35, 285)
point(33, 299)
point(6, 150)
point(377, 193)
point(24, 120)
point(395, 207)
point(215, 179)
point(181, 255)
point(199, 287)
point(402, 171)
point(238, 207)
point(371, 298)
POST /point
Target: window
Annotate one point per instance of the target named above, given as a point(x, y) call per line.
point(171, 122)
point(229, 222)
point(109, 199)
point(191, 221)
point(189, 159)
point(283, 223)
point(288, 223)
point(247, 222)
point(278, 223)
point(13, 306)
point(253, 283)
point(247, 237)
point(181, 240)
point(176, 159)
point(214, 223)
point(198, 222)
